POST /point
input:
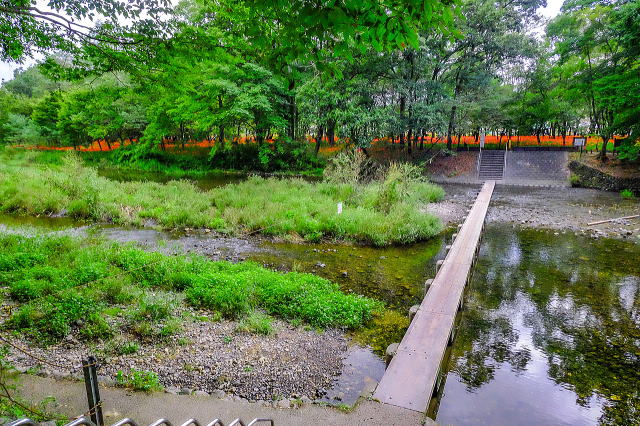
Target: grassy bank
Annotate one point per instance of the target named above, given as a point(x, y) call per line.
point(386, 211)
point(100, 290)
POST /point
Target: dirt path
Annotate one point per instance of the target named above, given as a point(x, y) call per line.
point(145, 408)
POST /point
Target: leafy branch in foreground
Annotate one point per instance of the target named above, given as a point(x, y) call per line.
point(28, 27)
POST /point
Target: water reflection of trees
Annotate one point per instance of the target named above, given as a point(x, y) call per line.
point(576, 312)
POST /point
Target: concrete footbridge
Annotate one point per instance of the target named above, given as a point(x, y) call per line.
point(414, 373)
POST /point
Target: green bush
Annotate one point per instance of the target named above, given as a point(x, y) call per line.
point(49, 319)
point(280, 156)
point(222, 293)
point(129, 348)
point(154, 307)
point(28, 289)
point(170, 327)
point(574, 179)
point(96, 328)
point(116, 291)
point(56, 278)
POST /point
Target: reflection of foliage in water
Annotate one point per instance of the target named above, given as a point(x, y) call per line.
point(495, 343)
point(580, 301)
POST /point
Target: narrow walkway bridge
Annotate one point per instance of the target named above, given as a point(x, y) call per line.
point(410, 379)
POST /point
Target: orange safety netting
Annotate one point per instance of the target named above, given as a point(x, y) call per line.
point(173, 145)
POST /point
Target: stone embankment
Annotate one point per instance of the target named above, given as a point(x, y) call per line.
point(589, 177)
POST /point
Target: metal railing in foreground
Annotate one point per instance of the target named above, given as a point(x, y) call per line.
point(85, 421)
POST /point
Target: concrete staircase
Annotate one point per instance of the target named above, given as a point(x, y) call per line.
point(491, 165)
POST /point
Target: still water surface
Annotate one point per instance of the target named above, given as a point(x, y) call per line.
point(550, 334)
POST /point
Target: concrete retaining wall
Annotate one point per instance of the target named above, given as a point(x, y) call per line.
point(536, 165)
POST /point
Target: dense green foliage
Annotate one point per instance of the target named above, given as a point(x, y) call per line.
point(381, 212)
point(342, 71)
point(335, 70)
point(99, 290)
point(597, 75)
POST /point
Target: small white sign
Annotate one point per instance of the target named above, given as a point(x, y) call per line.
point(579, 141)
point(339, 208)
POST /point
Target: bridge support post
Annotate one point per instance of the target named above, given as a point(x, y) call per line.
point(390, 353)
point(427, 286)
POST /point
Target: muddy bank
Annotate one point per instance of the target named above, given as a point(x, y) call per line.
point(566, 209)
point(212, 245)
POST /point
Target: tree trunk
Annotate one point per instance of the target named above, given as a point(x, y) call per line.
point(221, 128)
point(603, 152)
point(319, 139)
point(291, 125)
point(331, 132)
point(403, 103)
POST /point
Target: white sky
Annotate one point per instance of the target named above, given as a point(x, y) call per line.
point(6, 68)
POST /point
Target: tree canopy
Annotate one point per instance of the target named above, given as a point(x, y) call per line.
point(334, 70)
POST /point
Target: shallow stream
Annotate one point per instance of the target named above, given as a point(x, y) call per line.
point(550, 333)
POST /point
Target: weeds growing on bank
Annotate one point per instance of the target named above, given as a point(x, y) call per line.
point(101, 291)
point(381, 211)
point(145, 381)
point(627, 194)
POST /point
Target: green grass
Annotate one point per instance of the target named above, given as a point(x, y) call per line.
point(139, 380)
point(388, 211)
point(627, 194)
point(100, 290)
point(257, 323)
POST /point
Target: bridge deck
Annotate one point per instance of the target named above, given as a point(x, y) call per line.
point(412, 374)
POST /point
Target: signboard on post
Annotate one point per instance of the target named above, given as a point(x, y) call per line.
point(581, 142)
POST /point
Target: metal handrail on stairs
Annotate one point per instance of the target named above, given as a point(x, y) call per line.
point(504, 168)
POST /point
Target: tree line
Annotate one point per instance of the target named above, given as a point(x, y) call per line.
point(337, 71)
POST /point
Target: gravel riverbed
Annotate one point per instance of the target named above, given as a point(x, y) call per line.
point(211, 357)
point(563, 209)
